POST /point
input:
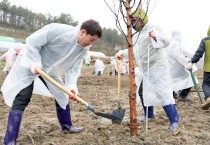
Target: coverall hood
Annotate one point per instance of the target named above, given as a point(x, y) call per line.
point(140, 13)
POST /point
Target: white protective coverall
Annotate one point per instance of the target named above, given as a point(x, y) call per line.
point(181, 78)
point(99, 66)
point(123, 68)
point(114, 64)
point(55, 48)
point(138, 80)
point(9, 57)
point(87, 59)
point(157, 87)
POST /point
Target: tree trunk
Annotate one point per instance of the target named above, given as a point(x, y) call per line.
point(132, 85)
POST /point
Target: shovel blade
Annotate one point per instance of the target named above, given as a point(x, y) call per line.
point(120, 113)
point(108, 116)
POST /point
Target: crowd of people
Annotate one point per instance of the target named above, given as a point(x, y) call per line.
point(162, 69)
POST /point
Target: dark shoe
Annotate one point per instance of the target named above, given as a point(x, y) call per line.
point(73, 129)
point(183, 98)
point(206, 105)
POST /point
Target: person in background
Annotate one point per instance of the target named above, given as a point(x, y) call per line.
point(114, 66)
point(58, 49)
point(151, 41)
point(87, 60)
point(99, 67)
point(127, 67)
point(9, 57)
point(203, 48)
point(181, 78)
point(123, 68)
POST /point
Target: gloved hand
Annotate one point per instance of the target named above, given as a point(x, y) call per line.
point(152, 35)
point(189, 66)
point(72, 97)
point(119, 55)
point(33, 66)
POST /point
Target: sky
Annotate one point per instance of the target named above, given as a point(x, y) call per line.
point(190, 17)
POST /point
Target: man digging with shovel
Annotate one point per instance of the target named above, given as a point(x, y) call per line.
point(58, 49)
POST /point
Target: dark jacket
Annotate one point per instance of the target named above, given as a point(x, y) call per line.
point(203, 47)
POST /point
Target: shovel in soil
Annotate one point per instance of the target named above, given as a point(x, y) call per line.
point(119, 112)
point(80, 100)
point(195, 85)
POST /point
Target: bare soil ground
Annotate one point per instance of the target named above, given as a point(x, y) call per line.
point(40, 125)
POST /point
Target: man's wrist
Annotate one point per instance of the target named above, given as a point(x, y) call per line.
point(191, 61)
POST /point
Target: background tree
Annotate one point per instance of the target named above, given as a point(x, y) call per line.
point(26, 21)
point(4, 7)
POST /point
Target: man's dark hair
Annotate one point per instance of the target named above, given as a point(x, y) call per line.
point(92, 27)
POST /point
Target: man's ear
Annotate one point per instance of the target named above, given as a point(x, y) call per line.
point(83, 31)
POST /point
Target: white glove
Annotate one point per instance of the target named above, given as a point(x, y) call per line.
point(189, 66)
point(33, 66)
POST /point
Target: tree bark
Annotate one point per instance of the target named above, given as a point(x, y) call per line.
point(132, 85)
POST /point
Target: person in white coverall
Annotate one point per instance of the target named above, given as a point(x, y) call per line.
point(87, 59)
point(114, 66)
point(99, 67)
point(181, 78)
point(9, 57)
point(151, 41)
point(58, 49)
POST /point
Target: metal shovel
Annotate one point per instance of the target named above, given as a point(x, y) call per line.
point(80, 100)
point(120, 112)
point(195, 85)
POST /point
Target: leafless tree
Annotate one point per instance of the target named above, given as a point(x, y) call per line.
point(122, 14)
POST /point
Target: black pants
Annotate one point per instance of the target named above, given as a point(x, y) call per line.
point(99, 73)
point(206, 84)
point(23, 98)
point(115, 73)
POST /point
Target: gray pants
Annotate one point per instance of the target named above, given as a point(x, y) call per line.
point(206, 84)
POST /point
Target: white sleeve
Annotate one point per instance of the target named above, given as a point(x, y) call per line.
point(162, 40)
point(178, 54)
point(124, 53)
point(34, 44)
point(72, 75)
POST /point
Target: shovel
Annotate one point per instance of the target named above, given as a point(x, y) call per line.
point(195, 85)
point(80, 100)
point(120, 112)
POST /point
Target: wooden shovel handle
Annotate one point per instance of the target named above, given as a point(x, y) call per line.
point(64, 89)
point(119, 67)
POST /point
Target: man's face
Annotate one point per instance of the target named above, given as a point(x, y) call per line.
point(136, 23)
point(85, 39)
